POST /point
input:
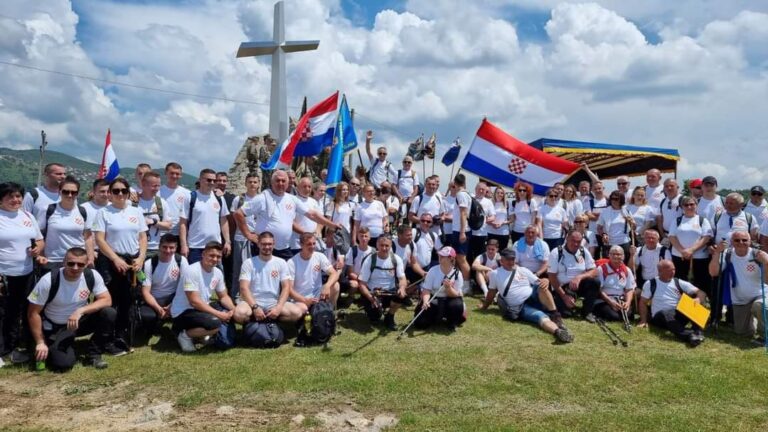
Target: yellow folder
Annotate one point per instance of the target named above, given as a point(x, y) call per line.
point(693, 311)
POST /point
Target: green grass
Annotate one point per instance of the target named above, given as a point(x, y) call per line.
point(490, 375)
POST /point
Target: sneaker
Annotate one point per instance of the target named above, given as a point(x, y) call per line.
point(563, 335)
point(758, 341)
point(695, 339)
point(2, 363)
point(389, 322)
point(115, 350)
point(591, 318)
point(19, 356)
point(185, 342)
point(557, 319)
point(96, 361)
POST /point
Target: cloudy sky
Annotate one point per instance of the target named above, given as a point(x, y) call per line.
point(685, 74)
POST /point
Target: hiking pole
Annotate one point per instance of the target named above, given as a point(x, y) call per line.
point(625, 317)
point(400, 336)
point(613, 333)
point(604, 328)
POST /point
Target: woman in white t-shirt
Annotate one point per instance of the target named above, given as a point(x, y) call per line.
point(553, 220)
point(66, 227)
point(614, 225)
point(588, 241)
point(391, 203)
point(523, 211)
point(372, 214)
point(498, 229)
point(20, 242)
point(689, 239)
point(121, 234)
point(340, 210)
point(444, 282)
point(573, 204)
point(641, 213)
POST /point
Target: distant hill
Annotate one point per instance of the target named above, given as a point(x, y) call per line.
point(21, 166)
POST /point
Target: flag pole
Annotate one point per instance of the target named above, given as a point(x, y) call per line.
point(43, 144)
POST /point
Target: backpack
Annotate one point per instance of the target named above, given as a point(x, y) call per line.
point(90, 281)
point(639, 265)
point(677, 285)
point(391, 258)
point(158, 206)
point(701, 221)
point(748, 216)
point(484, 260)
point(476, 215)
point(52, 208)
point(193, 200)
point(400, 174)
point(729, 253)
point(34, 194)
point(373, 167)
point(260, 334)
point(323, 322)
point(155, 260)
point(561, 249)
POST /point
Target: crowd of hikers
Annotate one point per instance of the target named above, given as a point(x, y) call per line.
point(225, 269)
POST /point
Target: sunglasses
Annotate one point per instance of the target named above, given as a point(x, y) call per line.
point(407, 162)
point(522, 190)
point(622, 183)
point(756, 194)
point(355, 184)
point(71, 193)
point(119, 191)
point(210, 180)
point(739, 240)
point(72, 264)
point(551, 196)
point(426, 221)
point(382, 154)
point(689, 205)
point(579, 221)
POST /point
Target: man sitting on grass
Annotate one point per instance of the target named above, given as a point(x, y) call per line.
point(306, 269)
point(382, 283)
point(162, 279)
point(572, 273)
point(523, 296)
point(486, 263)
point(194, 317)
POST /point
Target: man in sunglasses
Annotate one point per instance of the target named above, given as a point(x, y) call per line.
point(381, 169)
point(59, 311)
point(203, 219)
point(757, 206)
point(406, 182)
point(622, 185)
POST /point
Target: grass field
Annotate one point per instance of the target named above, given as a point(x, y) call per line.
point(490, 375)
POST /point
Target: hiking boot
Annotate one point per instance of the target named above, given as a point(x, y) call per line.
point(389, 322)
point(557, 319)
point(185, 342)
point(590, 318)
point(96, 361)
point(19, 356)
point(563, 335)
point(115, 350)
point(695, 339)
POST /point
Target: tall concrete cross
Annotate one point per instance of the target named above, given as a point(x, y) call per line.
point(278, 100)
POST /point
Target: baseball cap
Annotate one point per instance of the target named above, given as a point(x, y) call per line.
point(695, 183)
point(508, 253)
point(447, 252)
point(757, 189)
point(710, 180)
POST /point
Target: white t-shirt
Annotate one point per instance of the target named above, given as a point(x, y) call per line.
point(571, 265)
point(249, 220)
point(463, 200)
point(449, 204)
point(689, 232)
point(71, 295)
point(381, 172)
point(759, 212)
point(65, 230)
point(670, 210)
point(500, 211)
point(206, 222)
point(667, 295)
point(341, 214)
point(528, 259)
point(149, 208)
point(164, 280)
point(552, 219)
point(175, 199)
point(641, 214)
point(709, 208)
point(649, 260)
point(121, 228)
point(748, 286)
point(371, 215)
point(308, 274)
point(654, 195)
point(613, 284)
point(356, 261)
point(615, 224)
point(589, 240)
point(525, 214)
point(266, 278)
point(44, 199)
point(726, 224)
point(574, 208)
point(383, 275)
point(764, 228)
point(490, 212)
point(425, 244)
point(520, 289)
point(595, 207)
point(432, 204)
point(392, 204)
point(194, 278)
point(407, 180)
point(17, 229)
point(306, 224)
point(275, 214)
point(435, 277)
point(404, 252)
point(91, 209)
point(490, 262)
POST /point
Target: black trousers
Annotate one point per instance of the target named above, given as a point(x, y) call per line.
point(193, 318)
point(119, 286)
point(701, 278)
point(60, 340)
point(374, 314)
point(476, 247)
point(675, 322)
point(589, 289)
point(14, 326)
point(149, 320)
point(449, 308)
point(603, 310)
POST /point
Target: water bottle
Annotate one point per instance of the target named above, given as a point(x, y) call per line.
point(307, 322)
point(141, 276)
point(40, 365)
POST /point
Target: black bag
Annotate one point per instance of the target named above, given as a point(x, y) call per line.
point(323, 324)
point(476, 215)
point(260, 334)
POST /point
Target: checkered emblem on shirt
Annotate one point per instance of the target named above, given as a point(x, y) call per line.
point(79, 221)
point(83, 294)
point(175, 274)
point(133, 220)
point(289, 206)
point(27, 223)
point(517, 165)
point(751, 268)
point(274, 274)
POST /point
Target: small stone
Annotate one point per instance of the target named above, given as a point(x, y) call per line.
point(225, 410)
point(383, 421)
point(297, 419)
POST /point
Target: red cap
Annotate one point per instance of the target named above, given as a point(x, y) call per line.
point(695, 183)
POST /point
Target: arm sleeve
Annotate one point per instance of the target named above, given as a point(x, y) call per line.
point(39, 295)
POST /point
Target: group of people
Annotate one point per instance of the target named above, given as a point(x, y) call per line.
point(206, 259)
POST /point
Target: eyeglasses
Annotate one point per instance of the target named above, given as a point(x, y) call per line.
point(739, 240)
point(382, 154)
point(69, 192)
point(622, 183)
point(72, 264)
point(756, 194)
point(426, 221)
point(210, 180)
point(407, 162)
point(355, 184)
point(119, 191)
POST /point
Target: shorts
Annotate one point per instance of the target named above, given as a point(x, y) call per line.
point(530, 311)
point(461, 248)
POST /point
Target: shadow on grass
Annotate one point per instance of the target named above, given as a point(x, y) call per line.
point(382, 332)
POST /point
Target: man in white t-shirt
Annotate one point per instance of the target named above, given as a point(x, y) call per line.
point(572, 273)
point(710, 202)
point(663, 293)
point(669, 208)
point(741, 270)
point(194, 316)
point(523, 296)
point(594, 205)
point(203, 219)
point(265, 285)
point(757, 206)
point(430, 202)
point(99, 198)
point(654, 190)
point(138, 174)
point(37, 200)
point(485, 263)
point(307, 268)
point(274, 211)
point(381, 169)
point(532, 252)
point(59, 311)
point(406, 182)
point(382, 283)
point(355, 257)
point(241, 248)
point(405, 248)
point(733, 218)
point(426, 242)
point(645, 259)
point(174, 194)
point(302, 223)
point(162, 273)
point(477, 242)
point(153, 208)
point(461, 231)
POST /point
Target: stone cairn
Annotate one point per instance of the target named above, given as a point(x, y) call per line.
point(255, 151)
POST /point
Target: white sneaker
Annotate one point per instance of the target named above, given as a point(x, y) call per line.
point(185, 342)
point(2, 363)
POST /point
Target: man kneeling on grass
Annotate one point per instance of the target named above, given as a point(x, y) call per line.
point(59, 311)
point(523, 296)
point(382, 283)
point(194, 317)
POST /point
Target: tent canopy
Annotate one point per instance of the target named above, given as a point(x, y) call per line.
point(610, 160)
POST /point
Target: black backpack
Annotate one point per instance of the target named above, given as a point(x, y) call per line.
point(263, 334)
point(323, 322)
point(677, 285)
point(90, 281)
point(662, 253)
point(476, 215)
point(373, 256)
point(52, 209)
point(193, 200)
point(156, 259)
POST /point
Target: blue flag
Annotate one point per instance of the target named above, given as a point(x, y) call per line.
point(344, 132)
point(452, 154)
point(348, 138)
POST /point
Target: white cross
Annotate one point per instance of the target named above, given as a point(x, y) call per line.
point(278, 100)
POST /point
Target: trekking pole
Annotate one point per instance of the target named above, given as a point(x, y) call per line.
point(400, 336)
point(616, 335)
point(604, 328)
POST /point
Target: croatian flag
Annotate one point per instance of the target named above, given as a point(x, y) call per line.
point(109, 169)
point(501, 158)
point(314, 131)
